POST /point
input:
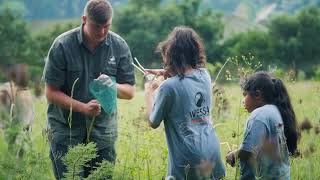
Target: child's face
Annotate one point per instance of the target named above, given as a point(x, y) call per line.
point(250, 102)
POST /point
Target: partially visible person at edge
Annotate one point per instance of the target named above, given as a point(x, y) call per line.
point(16, 107)
point(183, 103)
point(271, 133)
point(85, 53)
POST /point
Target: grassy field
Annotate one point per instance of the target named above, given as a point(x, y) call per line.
point(142, 151)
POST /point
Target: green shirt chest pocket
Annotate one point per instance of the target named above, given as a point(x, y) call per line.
point(110, 66)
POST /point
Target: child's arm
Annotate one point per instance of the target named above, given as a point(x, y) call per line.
point(150, 88)
point(231, 157)
point(149, 93)
point(252, 143)
point(238, 153)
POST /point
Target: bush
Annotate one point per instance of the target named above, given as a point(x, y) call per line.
point(317, 73)
point(301, 75)
point(213, 69)
point(279, 73)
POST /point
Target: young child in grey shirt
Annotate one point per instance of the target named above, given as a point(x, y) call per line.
point(271, 131)
point(183, 103)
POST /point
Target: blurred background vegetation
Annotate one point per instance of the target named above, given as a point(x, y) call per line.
point(282, 34)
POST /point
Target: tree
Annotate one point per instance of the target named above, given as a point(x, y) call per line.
point(256, 43)
point(14, 38)
point(144, 25)
point(291, 42)
point(308, 35)
point(45, 38)
point(283, 30)
point(296, 39)
point(17, 45)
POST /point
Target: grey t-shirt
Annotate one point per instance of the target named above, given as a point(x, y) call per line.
point(184, 105)
point(264, 138)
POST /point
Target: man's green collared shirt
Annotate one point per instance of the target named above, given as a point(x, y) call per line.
point(69, 63)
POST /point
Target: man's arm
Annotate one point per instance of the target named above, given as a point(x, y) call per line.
point(55, 96)
point(125, 91)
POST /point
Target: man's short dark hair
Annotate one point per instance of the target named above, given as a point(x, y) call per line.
point(100, 11)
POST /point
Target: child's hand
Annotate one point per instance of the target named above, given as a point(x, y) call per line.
point(231, 158)
point(151, 86)
point(158, 72)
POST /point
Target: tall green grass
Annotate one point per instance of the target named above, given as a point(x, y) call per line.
point(142, 152)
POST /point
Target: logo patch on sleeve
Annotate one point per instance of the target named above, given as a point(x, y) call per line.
point(112, 60)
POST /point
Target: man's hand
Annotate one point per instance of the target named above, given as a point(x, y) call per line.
point(124, 91)
point(103, 76)
point(92, 108)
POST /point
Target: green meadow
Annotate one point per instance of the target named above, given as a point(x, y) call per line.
point(142, 151)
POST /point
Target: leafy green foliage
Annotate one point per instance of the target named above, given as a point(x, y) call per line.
point(317, 73)
point(77, 157)
point(18, 46)
point(46, 9)
point(308, 35)
point(295, 38)
point(19, 157)
point(290, 43)
point(283, 34)
point(105, 169)
point(45, 38)
point(257, 43)
point(14, 38)
point(143, 25)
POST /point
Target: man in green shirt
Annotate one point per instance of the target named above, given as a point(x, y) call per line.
point(77, 57)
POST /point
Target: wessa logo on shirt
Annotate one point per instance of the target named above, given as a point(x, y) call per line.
point(199, 99)
point(201, 113)
point(111, 60)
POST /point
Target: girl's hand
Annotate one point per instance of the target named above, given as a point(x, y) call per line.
point(158, 72)
point(152, 83)
point(231, 158)
point(151, 86)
